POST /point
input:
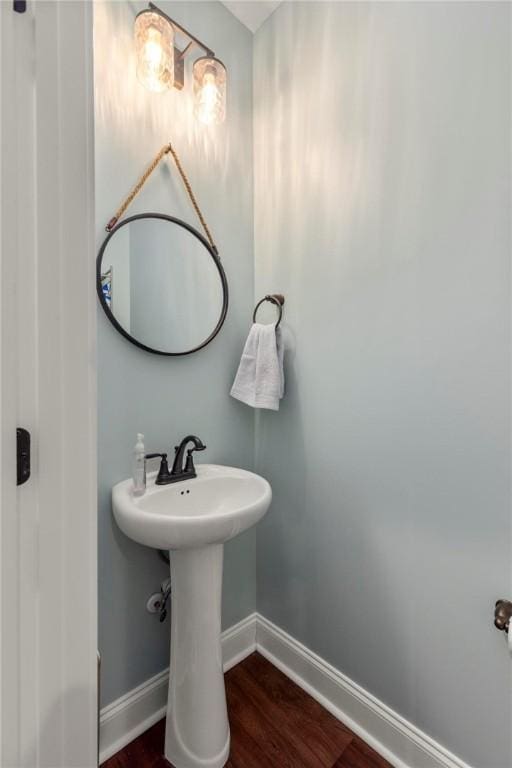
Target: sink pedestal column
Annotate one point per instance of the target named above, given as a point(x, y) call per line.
point(197, 729)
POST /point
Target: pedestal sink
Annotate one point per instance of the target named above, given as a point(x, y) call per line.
point(193, 519)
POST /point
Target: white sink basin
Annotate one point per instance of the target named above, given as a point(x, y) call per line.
point(193, 519)
point(215, 506)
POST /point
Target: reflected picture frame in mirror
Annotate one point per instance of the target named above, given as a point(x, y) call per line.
point(106, 304)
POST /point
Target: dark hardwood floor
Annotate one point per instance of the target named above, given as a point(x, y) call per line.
point(274, 724)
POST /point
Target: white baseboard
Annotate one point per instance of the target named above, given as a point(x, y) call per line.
point(239, 641)
point(132, 714)
point(393, 737)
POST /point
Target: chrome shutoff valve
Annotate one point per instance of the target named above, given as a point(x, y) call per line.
point(157, 603)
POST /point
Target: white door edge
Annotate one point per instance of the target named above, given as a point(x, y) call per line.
point(48, 566)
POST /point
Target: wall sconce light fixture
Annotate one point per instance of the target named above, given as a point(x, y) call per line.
point(161, 65)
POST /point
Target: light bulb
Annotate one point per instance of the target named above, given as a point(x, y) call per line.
point(154, 47)
point(152, 53)
point(207, 99)
point(210, 90)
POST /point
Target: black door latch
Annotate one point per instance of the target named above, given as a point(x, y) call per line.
point(22, 455)
point(19, 6)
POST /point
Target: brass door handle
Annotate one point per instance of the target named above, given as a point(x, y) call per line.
point(502, 615)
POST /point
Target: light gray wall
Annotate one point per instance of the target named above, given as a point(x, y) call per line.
point(382, 166)
point(168, 398)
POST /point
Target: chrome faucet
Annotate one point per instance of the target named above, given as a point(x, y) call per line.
point(178, 472)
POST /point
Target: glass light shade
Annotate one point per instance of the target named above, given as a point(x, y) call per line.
point(154, 49)
point(210, 90)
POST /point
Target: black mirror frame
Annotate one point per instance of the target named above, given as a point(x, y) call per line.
point(213, 253)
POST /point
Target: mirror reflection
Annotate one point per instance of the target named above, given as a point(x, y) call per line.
point(161, 284)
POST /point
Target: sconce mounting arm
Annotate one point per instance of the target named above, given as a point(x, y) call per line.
point(193, 40)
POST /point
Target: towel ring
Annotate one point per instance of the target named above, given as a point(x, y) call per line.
point(274, 298)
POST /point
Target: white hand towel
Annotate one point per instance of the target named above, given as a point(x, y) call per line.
point(259, 381)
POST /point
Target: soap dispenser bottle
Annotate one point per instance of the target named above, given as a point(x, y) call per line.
point(139, 467)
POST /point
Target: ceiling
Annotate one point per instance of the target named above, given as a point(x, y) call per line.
point(252, 13)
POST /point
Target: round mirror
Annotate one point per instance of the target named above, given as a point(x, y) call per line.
point(161, 284)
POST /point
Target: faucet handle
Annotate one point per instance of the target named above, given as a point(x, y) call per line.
point(189, 465)
point(163, 472)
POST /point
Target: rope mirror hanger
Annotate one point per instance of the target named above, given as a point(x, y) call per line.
point(167, 149)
